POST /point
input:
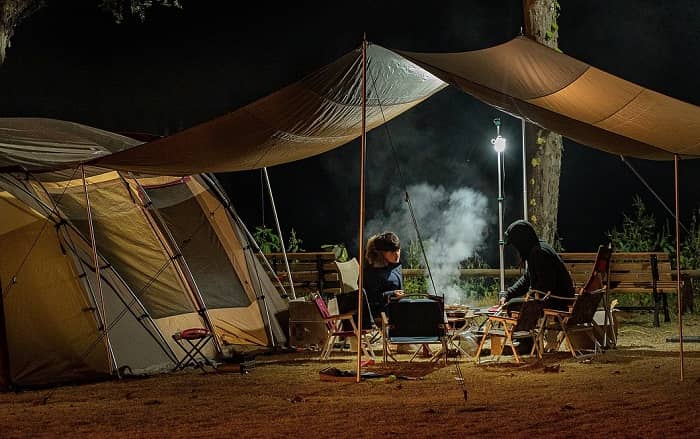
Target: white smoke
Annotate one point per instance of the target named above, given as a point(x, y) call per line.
point(452, 226)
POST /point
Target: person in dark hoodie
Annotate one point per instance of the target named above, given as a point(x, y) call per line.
point(383, 278)
point(545, 271)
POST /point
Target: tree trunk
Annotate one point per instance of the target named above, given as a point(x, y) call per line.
point(11, 13)
point(543, 147)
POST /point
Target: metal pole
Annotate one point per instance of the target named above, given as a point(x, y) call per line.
point(501, 242)
point(363, 159)
point(499, 144)
point(279, 233)
point(100, 306)
point(522, 128)
point(678, 264)
point(178, 258)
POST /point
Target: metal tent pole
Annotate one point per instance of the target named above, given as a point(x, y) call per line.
point(101, 305)
point(279, 233)
point(178, 258)
point(252, 246)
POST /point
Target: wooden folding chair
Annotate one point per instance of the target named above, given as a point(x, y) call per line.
point(579, 318)
point(339, 326)
point(519, 325)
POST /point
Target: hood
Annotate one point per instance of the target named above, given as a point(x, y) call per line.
point(522, 236)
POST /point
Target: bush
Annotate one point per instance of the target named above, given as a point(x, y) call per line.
point(639, 233)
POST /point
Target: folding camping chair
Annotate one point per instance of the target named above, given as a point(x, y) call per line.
point(578, 318)
point(415, 321)
point(519, 325)
point(192, 341)
point(343, 325)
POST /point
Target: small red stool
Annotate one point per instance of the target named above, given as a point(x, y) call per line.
point(192, 341)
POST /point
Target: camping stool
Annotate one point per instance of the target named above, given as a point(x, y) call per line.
point(192, 341)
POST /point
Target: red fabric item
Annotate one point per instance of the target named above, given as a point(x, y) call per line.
point(194, 333)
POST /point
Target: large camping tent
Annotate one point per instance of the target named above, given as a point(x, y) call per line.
point(173, 255)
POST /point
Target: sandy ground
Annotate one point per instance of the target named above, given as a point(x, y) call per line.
point(629, 392)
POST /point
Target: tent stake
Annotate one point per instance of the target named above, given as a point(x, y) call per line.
point(678, 264)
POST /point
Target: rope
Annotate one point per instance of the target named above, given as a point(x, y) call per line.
point(403, 185)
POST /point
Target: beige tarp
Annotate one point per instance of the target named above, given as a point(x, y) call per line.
point(314, 115)
point(322, 111)
point(558, 92)
point(36, 144)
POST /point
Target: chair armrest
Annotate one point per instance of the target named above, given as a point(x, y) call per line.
point(503, 319)
point(344, 316)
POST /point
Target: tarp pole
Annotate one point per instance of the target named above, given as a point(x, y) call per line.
point(279, 233)
point(678, 264)
point(101, 305)
point(522, 129)
point(363, 159)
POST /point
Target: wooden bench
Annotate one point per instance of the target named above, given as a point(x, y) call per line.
point(312, 272)
point(630, 273)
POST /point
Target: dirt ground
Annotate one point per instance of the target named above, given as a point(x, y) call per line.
point(629, 392)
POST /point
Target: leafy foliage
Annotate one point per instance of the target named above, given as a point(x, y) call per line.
point(268, 240)
point(690, 247)
point(413, 255)
point(341, 253)
point(134, 8)
point(294, 242)
point(478, 289)
point(639, 231)
point(415, 285)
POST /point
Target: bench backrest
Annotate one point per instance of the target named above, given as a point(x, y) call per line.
point(630, 272)
point(312, 272)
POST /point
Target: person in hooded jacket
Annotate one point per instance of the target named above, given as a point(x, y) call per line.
point(383, 278)
point(545, 271)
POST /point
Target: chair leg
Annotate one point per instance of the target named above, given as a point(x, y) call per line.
point(367, 347)
point(483, 340)
point(568, 341)
point(326, 351)
point(509, 338)
point(535, 345)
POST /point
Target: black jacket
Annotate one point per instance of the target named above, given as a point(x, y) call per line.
point(545, 269)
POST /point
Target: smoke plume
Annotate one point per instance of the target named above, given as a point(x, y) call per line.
point(452, 225)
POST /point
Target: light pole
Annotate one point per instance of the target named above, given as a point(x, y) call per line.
point(499, 144)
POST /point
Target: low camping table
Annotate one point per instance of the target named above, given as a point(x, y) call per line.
point(192, 341)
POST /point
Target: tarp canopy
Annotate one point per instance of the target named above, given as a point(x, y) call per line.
point(35, 144)
point(322, 112)
point(312, 116)
point(585, 104)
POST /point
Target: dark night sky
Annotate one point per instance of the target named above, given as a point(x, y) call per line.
point(186, 66)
